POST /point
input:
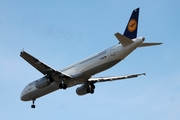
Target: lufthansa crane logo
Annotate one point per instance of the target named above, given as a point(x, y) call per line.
point(132, 25)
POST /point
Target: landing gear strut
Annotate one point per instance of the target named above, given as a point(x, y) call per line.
point(91, 88)
point(33, 106)
point(62, 85)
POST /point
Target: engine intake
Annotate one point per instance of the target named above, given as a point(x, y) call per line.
point(43, 82)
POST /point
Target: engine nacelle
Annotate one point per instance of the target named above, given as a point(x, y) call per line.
point(82, 90)
point(43, 82)
point(85, 88)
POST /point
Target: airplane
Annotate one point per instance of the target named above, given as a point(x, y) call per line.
point(81, 72)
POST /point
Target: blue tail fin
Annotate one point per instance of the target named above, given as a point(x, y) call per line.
point(132, 26)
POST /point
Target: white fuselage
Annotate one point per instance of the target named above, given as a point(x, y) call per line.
point(84, 69)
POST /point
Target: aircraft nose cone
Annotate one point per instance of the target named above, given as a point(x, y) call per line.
point(22, 97)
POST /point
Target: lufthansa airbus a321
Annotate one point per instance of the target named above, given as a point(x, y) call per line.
point(81, 72)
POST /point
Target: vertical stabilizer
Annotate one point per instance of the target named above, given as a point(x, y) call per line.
point(132, 26)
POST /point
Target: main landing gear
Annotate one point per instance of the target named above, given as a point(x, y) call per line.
point(91, 88)
point(33, 106)
point(62, 84)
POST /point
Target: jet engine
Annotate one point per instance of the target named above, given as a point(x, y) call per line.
point(85, 88)
point(43, 82)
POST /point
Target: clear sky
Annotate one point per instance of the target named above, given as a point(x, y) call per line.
point(61, 32)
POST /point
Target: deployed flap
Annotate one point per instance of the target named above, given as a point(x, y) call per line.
point(40, 66)
point(123, 39)
point(149, 44)
point(105, 79)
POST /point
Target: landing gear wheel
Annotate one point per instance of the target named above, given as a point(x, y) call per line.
point(92, 91)
point(91, 88)
point(33, 106)
point(62, 86)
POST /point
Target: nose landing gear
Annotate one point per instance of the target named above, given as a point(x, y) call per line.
point(33, 106)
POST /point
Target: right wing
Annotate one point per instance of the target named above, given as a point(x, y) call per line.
point(105, 79)
point(41, 67)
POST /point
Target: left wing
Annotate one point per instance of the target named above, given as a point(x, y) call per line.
point(40, 66)
point(113, 78)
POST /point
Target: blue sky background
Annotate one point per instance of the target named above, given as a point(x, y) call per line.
point(61, 32)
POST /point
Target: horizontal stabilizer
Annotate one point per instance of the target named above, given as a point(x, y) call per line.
point(123, 39)
point(149, 44)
